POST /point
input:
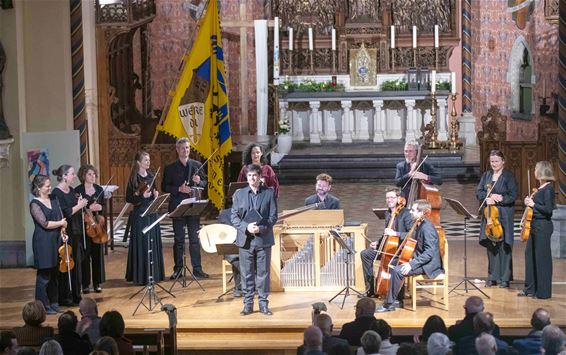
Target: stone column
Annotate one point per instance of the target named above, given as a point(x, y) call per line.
point(378, 121)
point(441, 119)
point(467, 131)
point(347, 121)
point(314, 121)
point(297, 126)
point(362, 124)
point(411, 121)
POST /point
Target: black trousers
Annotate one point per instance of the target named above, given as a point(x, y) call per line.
point(93, 256)
point(255, 263)
point(46, 286)
point(234, 260)
point(397, 282)
point(368, 256)
point(192, 223)
point(538, 259)
point(73, 295)
point(499, 256)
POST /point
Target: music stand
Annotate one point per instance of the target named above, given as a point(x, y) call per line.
point(462, 211)
point(226, 249)
point(346, 290)
point(380, 212)
point(149, 288)
point(187, 207)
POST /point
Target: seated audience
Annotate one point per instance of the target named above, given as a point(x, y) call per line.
point(353, 331)
point(382, 328)
point(51, 347)
point(407, 349)
point(112, 325)
point(433, 324)
point(313, 341)
point(71, 342)
point(532, 343)
point(553, 340)
point(108, 345)
point(371, 341)
point(324, 323)
point(32, 333)
point(465, 327)
point(438, 344)
point(483, 323)
point(340, 349)
point(26, 350)
point(90, 321)
point(8, 343)
point(485, 344)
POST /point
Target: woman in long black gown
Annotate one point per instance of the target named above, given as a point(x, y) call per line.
point(72, 206)
point(48, 222)
point(138, 265)
point(503, 195)
point(538, 257)
point(94, 253)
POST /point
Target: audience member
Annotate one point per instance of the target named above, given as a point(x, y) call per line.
point(8, 343)
point(90, 321)
point(324, 323)
point(433, 324)
point(340, 349)
point(112, 325)
point(532, 343)
point(108, 345)
point(33, 333)
point(313, 341)
point(465, 327)
point(382, 328)
point(482, 323)
point(26, 350)
point(71, 342)
point(438, 344)
point(552, 340)
point(407, 349)
point(485, 344)
point(371, 341)
point(51, 347)
point(353, 331)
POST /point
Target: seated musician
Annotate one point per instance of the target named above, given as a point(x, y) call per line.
point(322, 188)
point(425, 260)
point(406, 169)
point(401, 224)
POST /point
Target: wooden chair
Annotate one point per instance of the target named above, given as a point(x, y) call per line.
point(226, 270)
point(423, 282)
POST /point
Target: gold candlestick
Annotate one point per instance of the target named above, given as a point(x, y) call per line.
point(454, 142)
point(433, 143)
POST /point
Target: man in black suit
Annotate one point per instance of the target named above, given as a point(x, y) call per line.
point(426, 258)
point(406, 169)
point(401, 225)
point(465, 327)
point(180, 179)
point(365, 320)
point(254, 212)
point(532, 343)
point(322, 188)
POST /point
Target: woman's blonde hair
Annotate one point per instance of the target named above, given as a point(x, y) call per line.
point(544, 171)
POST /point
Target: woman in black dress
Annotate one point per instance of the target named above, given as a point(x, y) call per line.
point(538, 257)
point(48, 222)
point(503, 194)
point(138, 266)
point(71, 205)
point(94, 253)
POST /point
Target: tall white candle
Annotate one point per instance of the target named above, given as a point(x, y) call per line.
point(453, 83)
point(436, 39)
point(392, 36)
point(414, 36)
point(433, 82)
point(311, 46)
point(290, 38)
point(333, 39)
point(276, 50)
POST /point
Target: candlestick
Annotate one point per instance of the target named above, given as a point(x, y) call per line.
point(454, 140)
point(433, 82)
point(414, 36)
point(392, 37)
point(310, 39)
point(453, 83)
point(290, 38)
point(436, 39)
point(433, 142)
point(333, 39)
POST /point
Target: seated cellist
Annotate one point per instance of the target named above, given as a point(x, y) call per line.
point(425, 259)
point(401, 224)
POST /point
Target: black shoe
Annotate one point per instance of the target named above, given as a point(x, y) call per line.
point(175, 275)
point(385, 308)
point(97, 289)
point(265, 310)
point(246, 311)
point(86, 290)
point(369, 293)
point(199, 274)
point(524, 293)
point(490, 283)
point(398, 304)
point(504, 284)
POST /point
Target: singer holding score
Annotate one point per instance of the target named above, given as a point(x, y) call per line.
point(181, 179)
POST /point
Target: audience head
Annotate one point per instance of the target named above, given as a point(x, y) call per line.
point(371, 341)
point(67, 322)
point(406, 349)
point(382, 328)
point(313, 338)
point(112, 324)
point(365, 307)
point(34, 313)
point(552, 340)
point(26, 350)
point(88, 307)
point(51, 347)
point(107, 344)
point(540, 319)
point(324, 322)
point(483, 323)
point(38, 182)
point(473, 305)
point(486, 345)
point(438, 343)
point(253, 154)
point(434, 324)
point(8, 342)
point(340, 349)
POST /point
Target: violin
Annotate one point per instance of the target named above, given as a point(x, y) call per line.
point(528, 214)
point(144, 186)
point(66, 262)
point(493, 227)
point(95, 227)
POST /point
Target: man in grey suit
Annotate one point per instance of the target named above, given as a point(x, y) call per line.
point(254, 212)
point(322, 188)
point(426, 258)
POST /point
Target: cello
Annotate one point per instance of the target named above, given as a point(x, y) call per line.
point(405, 252)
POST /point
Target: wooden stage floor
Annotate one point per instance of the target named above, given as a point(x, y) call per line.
point(207, 323)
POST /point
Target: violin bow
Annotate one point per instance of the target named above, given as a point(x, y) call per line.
point(485, 199)
point(206, 161)
point(414, 172)
point(153, 180)
point(105, 187)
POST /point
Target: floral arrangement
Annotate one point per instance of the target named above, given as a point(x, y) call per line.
point(284, 127)
point(309, 85)
point(395, 85)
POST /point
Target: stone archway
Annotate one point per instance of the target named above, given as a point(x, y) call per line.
point(515, 72)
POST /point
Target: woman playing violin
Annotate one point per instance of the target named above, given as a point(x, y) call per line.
point(94, 252)
point(254, 154)
point(71, 205)
point(498, 189)
point(140, 193)
point(538, 258)
point(48, 221)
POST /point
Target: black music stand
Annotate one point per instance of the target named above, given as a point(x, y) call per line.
point(462, 211)
point(346, 290)
point(188, 207)
point(149, 288)
point(380, 212)
point(223, 250)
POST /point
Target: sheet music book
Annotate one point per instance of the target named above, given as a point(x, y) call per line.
point(253, 216)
